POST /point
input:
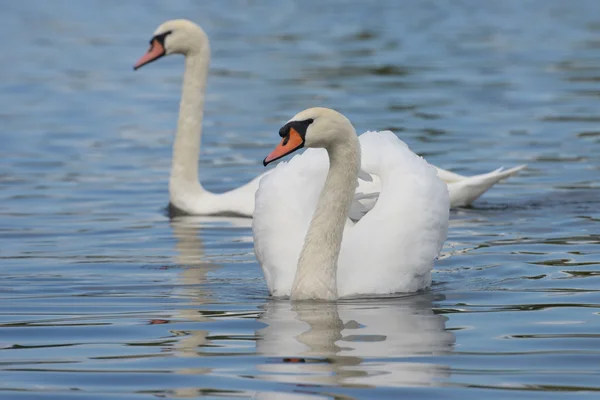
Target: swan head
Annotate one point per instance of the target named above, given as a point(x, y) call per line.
point(314, 127)
point(177, 36)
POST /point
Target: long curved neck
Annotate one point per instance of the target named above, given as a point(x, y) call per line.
point(186, 149)
point(316, 276)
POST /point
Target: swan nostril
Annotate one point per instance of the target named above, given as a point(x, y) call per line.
point(286, 140)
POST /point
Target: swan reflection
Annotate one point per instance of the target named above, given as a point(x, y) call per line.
point(359, 342)
point(191, 256)
point(195, 265)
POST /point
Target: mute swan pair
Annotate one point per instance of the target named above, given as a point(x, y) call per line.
point(185, 191)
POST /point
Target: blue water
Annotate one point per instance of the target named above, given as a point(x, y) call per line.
point(104, 297)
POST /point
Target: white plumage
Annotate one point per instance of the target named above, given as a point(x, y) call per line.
point(399, 232)
point(186, 192)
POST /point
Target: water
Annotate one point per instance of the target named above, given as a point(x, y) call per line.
point(102, 296)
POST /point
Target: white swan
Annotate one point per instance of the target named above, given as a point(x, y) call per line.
point(185, 191)
point(307, 246)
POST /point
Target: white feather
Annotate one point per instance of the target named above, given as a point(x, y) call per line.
point(393, 245)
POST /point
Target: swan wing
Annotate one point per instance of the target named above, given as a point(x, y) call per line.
point(393, 246)
point(463, 190)
point(366, 195)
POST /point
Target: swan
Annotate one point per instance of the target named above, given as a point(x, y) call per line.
point(186, 194)
point(304, 240)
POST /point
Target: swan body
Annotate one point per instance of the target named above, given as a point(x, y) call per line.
point(304, 238)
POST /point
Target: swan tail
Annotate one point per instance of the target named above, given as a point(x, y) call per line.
point(466, 190)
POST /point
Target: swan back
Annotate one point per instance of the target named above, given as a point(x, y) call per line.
point(393, 247)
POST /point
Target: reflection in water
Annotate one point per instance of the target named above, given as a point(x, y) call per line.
point(355, 342)
point(191, 253)
point(360, 342)
point(195, 268)
point(85, 157)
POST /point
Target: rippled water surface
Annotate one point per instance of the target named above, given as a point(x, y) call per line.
point(103, 296)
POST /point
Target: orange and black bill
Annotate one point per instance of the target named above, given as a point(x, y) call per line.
point(293, 136)
point(156, 50)
point(290, 143)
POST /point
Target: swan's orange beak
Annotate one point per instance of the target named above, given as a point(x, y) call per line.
point(155, 52)
point(290, 143)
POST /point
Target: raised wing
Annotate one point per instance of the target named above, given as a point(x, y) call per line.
point(393, 246)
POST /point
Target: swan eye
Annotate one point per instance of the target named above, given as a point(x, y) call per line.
point(160, 38)
point(304, 124)
point(298, 126)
